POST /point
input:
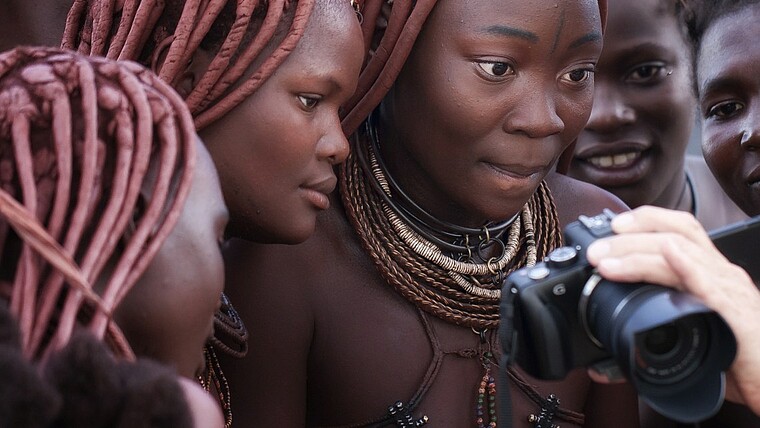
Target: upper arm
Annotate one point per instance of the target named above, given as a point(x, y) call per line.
point(268, 386)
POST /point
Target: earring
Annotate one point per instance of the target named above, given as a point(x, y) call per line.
point(358, 10)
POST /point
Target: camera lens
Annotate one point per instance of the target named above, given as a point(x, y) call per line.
point(661, 340)
point(669, 353)
point(662, 353)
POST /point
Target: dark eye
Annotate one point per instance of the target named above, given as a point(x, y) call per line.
point(496, 68)
point(725, 110)
point(646, 73)
point(308, 101)
point(578, 76)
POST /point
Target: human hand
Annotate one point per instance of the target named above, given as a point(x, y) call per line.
point(671, 248)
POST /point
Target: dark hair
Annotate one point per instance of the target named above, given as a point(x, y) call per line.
point(82, 385)
point(699, 15)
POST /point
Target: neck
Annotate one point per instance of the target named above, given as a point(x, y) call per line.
point(414, 184)
point(678, 195)
point(445, 234)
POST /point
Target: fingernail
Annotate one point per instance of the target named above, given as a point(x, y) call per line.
point(610, 264)
point(622, 220)
point(597, 250)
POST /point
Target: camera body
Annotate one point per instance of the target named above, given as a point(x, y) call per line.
point(559, 315)
point(552, 338)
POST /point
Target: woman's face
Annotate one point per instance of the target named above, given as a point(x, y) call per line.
point(169, 313)
point(635, 140)
point(275, 152)
point(729, 101)
point(490, 96)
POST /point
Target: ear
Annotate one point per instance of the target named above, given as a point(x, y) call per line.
point(144, 196)
point(141, 204)
point(195, 69)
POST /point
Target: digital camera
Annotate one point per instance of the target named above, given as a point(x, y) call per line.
point(559, 314)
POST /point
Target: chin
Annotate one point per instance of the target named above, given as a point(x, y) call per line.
point(292, 231)
point(298, 235)
point(288, 234)
point(750, 206)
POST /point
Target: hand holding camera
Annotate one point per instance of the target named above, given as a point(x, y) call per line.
point(560, 314)
point(678, 252)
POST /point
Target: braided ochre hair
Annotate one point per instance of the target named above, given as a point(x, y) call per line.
point(151, 31)
point(80, 138)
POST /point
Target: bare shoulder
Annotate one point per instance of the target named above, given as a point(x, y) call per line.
point(280, 292)
point(574, 198)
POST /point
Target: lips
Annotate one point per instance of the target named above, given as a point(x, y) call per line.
point(317, 191)
point(753, 178)
point(515, 171)
point(324, 185)
point(622, 160)
point(614, 164)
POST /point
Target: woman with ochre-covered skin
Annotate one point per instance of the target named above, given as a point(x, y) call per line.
point(276, 150)
point(634, 144)
point(355, 320)
point(265, 99)
point(274, 131)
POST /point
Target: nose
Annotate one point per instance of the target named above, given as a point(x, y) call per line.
point(609, 111)
point(750, 140)
point(750, 130)
point(535, 114)
point(333, 145)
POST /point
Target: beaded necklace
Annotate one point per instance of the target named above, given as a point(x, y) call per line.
point(213, 377)
point(462, 288)
point(230, 337)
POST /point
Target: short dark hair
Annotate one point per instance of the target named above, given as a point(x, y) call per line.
point(699, 15)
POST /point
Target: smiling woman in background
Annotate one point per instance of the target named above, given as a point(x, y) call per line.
point(634, 144)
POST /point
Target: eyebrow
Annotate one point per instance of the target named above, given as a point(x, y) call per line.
point(502, 30)
point(647, 48)
point(716, 84)
point(582, 40)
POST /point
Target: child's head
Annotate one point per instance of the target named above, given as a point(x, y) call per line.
point(84, 385)
point(635, 141)
point(728, 89)
point(102, 173)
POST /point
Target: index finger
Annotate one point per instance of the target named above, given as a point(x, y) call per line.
point(656, 219)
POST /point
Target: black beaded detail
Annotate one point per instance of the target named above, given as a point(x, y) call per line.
point(401, 414)
point(546, 416)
